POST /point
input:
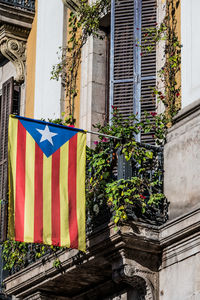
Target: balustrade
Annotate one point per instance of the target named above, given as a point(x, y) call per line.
point(23, 4)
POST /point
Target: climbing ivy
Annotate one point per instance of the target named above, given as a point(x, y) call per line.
point(17, 255)
point(140, 190)
point(171, 69)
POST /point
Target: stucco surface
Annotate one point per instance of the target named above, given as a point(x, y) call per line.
point(182, 166)
point(7, 71)
point(181, 280)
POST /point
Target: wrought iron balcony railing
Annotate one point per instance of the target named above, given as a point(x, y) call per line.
point(154, 214)
point(28, 5)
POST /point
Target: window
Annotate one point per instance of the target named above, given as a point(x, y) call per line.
point(9, 104)
point(132, 67)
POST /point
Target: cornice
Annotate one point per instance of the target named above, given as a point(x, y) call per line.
point(179, 228)
point(13, 31)
point(15, 16)
point(185, 115)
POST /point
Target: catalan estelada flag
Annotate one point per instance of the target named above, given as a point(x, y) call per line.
point(46, 183)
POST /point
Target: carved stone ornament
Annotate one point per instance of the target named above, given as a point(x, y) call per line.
point(141, 280)
point(13, 47)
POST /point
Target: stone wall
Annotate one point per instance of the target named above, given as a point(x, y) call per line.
point(179, 273)
point(181, 281)
point(93, 85)
point(182, 161)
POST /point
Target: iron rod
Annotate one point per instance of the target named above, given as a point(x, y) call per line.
point(102, 134)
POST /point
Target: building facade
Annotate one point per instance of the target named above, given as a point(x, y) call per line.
point(140, 260)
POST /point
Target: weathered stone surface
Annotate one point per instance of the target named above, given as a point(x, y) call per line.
point(93, 85)
point(107, 252)
point(180, 281)
point(44, 296)
point(145, 258)
point(181, 162)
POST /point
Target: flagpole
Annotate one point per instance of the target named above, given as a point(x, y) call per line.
point(102, 134)
point(117, 138)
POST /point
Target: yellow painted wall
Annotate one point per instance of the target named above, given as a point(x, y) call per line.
point(30, 68)
point(30, 74)
point(178, 27)
point(175, 26)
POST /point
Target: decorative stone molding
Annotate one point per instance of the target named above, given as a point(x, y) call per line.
point(44, 296)
point(13, 47)
point(35, 296)
point(139, 279)
point(135, 256)
point(13, 15)
point(71, 4)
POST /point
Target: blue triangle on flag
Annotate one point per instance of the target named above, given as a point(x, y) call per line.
point(48, 137)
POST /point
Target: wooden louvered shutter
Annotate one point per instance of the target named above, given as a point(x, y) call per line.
point(6, 109)
point(132, 72)
point(148, 63)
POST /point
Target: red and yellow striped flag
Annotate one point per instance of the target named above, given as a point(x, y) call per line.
point(46, 183)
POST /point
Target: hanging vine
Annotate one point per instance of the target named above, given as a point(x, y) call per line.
point(171, 69)
point(82, 24)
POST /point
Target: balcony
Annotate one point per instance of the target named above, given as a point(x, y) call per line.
point(28, 5)
point(16, 18)
point(125, 170)
point(19, 13)
point(102, 237)
point(99, 215)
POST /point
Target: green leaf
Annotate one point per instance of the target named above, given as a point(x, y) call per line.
point(149, 154)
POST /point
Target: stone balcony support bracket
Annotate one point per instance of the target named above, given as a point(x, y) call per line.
point(13, 47)
point(142, 280)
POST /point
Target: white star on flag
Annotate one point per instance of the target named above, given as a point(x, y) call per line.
point(46, 134)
